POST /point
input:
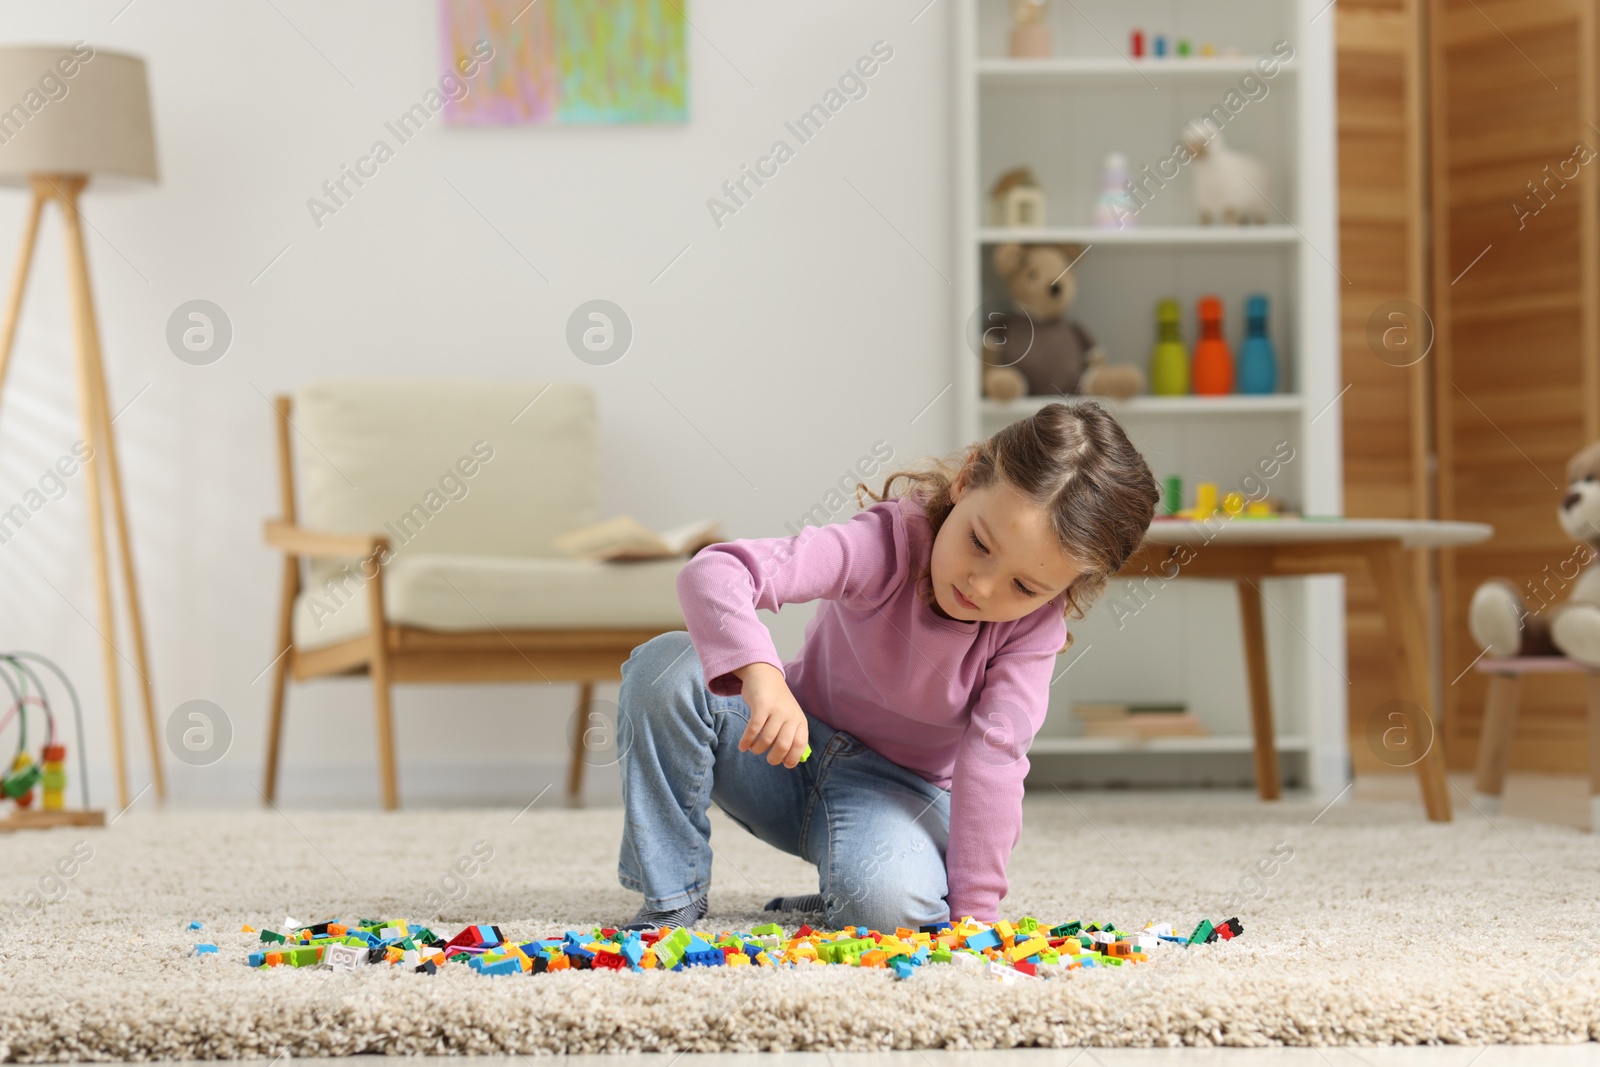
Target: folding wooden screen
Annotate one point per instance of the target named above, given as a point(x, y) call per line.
point(1382, 256)
point(1516, 366)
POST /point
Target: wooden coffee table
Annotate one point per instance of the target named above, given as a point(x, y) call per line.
point(1246, 550)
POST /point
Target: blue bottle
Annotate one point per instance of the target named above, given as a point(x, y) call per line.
point(1258, 363)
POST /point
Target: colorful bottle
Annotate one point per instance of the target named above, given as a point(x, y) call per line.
point(1172, 494)
point(1115, 209)
point(1213, 362)
point(1169, 363)
point(1258, 363)
point(1158, 46)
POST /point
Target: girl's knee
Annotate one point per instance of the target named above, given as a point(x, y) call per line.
point(660, 665)
point(884, 904)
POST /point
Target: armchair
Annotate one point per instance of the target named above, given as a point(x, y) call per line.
point(417, 525)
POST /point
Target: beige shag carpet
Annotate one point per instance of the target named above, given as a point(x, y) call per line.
point(1369, 926)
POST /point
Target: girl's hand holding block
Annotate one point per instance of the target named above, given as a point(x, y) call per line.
point(777, 724)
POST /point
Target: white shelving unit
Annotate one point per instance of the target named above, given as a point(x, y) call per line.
point(1151, 235)
point(1061, 116)
point(1101, 70)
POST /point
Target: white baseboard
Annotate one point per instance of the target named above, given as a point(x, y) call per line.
point(351, 785)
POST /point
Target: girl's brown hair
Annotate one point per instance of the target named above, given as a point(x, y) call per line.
point(1072, 460)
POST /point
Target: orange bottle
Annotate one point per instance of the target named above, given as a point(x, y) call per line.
point(1213, 362)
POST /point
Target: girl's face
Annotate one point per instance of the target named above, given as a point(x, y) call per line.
point(996, 557)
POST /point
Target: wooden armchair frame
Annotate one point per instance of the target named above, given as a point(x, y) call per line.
point(391, 653)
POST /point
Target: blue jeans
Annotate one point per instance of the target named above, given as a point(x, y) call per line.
point(875, 830)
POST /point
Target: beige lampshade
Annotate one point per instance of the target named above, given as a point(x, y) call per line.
point(75, 109)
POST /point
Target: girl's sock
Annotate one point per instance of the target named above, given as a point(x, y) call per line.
point(811, 903)
point(647, 919)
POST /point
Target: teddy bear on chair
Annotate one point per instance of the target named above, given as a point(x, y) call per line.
point(1037, 349)
point(1499, 617)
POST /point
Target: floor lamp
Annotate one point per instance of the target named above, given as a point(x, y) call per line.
point(80, 113)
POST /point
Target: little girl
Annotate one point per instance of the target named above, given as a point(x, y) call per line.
point(920, 685)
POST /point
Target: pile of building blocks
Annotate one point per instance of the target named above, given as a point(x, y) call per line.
point(1007, 950)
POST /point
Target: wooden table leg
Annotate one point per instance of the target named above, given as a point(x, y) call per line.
point(1494, 743)
point(580, 726)
point(1594, 752)
point(1408, 639)
point(1269, 780)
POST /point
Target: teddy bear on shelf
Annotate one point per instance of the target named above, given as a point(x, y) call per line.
point(1500, 618)
point(1037, 349)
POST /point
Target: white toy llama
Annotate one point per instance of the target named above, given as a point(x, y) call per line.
point(1229, 187)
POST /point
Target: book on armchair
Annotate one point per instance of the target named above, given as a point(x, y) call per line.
point(626, 538)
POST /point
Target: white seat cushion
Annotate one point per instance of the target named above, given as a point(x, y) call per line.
point(466, 593)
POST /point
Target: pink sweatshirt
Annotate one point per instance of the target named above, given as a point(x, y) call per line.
point(956, 702)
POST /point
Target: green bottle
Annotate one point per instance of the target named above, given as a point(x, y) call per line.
point(1169, 363)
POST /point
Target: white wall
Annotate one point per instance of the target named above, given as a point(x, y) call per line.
point(804, 329)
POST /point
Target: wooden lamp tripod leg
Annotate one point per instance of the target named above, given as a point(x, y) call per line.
point(83, 327)
point(45, 189)
point(19, 282)
point(94, 408)
point(119, 515)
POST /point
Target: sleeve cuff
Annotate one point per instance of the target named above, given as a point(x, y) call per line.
point(721, 680)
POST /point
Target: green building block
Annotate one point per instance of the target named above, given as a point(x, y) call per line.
point(845, 951)
point(270, 936)
point(670, 949)
point(1066, 930)
point(1201, 933)
point(1027, 925)
point(769, 930)
point(940, 954)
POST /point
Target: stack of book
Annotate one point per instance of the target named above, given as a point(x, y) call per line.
point(1137, 722)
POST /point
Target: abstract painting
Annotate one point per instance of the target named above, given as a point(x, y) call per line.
point(566, 61)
